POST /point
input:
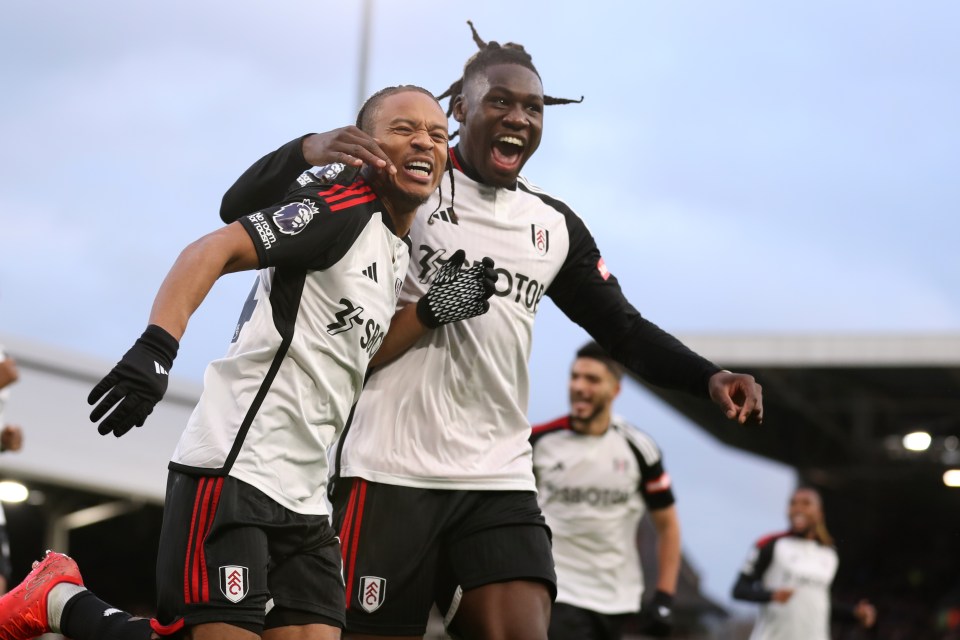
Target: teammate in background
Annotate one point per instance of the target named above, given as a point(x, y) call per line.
point(790, 575)
point(438, 446)
point(245, 527)
point(596, 476)
point(11, 439)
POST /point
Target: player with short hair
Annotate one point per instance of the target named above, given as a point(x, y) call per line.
point(790, 575)
point(246, 548)
point(447, 460)
point(597, 475)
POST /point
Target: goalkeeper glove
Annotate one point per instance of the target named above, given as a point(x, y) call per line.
point(137, 383)
point(457, 295)
point(656, 619)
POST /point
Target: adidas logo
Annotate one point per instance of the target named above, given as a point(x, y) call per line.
point(371, 272)
point(447, 215)
point(160, 369)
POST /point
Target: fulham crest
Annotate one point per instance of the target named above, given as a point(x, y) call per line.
point(540, 238)
point(372, 592)
point(234, 584)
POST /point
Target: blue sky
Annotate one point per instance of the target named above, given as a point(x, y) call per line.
point(746, 167)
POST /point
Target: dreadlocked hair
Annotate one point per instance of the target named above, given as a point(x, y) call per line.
point(365, 116)
point(490, 54)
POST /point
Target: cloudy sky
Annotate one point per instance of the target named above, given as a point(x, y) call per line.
point(746, 167)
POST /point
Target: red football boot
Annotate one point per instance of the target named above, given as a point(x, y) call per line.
point(23, 611)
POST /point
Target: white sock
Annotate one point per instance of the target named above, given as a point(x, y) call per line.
point(57, 599)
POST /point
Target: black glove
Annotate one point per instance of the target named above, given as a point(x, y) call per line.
point(137, 382)
point(457, 295)
point(656, 618)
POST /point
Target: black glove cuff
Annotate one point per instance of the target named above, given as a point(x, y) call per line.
point(160, 343)
point(424, 314)
point(662, 599)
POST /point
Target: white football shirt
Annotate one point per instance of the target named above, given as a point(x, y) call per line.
point(318, 312)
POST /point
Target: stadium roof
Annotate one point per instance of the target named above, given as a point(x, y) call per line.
point(61, 445)
point(837, 409)
point(839, 406)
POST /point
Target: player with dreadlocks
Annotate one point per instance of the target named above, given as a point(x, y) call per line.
point(436, 484)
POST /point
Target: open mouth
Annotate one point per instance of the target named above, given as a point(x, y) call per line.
point(580, 406)
point(419, 169)
point(508, 151)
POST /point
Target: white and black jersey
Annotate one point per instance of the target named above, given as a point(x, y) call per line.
point(450, 413)
point(331, 273)
point(787, 561)
point(593, 491)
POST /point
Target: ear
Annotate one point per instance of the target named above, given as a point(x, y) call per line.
point(460, 109)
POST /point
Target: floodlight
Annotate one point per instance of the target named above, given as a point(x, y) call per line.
point(951, 477)
point(11, 491)
point(917, 441)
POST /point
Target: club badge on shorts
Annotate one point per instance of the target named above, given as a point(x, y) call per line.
point(234, 584)
point(372, 593)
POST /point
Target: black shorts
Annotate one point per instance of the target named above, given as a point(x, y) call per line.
point(405, 549)
point(226, 549)
point(568, 622)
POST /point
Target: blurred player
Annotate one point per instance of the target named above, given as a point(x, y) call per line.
point(246, 548)
point(790, 575)
point(596, 476)
point(438, 446)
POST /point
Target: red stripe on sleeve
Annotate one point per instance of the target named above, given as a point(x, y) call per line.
point(347, 193)
point(352, 202)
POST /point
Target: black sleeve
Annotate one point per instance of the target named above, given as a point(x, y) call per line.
point(590, 296)
point(655, 486)
point(265, 182)
point(301, 232)
point(749, 585)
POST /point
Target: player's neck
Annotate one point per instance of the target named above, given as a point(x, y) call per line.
point(401, 216)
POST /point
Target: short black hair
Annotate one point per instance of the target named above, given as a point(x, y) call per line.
point(370, 106)
point(594, 351)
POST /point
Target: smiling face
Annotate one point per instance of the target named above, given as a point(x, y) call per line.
point(805, 512)
point(593, 388)
point(411, 128)
point(501, 116)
